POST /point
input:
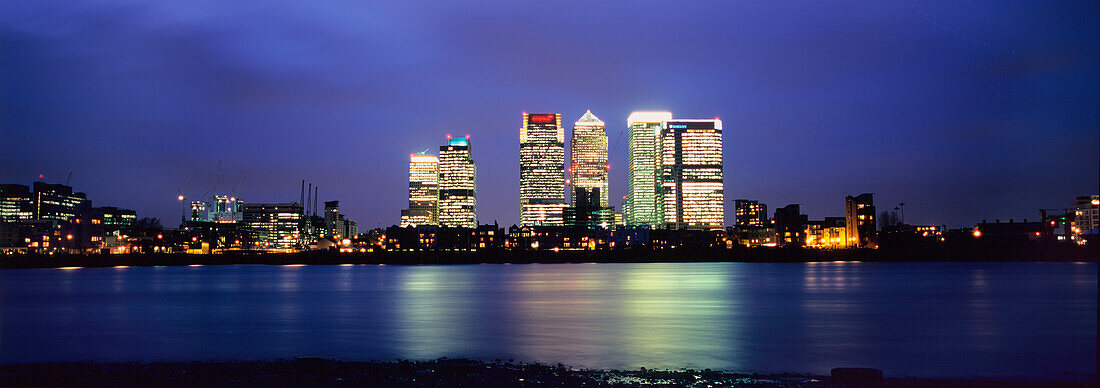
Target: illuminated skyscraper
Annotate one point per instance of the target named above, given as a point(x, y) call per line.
point(423, 191)
point(692, 195)
point(641, 206)
point(457, 184)
point(541, 170)
point(588, 156)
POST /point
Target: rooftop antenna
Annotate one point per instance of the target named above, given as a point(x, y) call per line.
point(69, 178)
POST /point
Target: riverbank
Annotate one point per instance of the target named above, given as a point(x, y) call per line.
point(434, 373)
point(1063, 254)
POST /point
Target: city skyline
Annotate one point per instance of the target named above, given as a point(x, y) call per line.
point(998, 124)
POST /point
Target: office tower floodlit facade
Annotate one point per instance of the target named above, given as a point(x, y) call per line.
point(859, 220)
point(750, 212)
point(457, 184)
point(423, 191)
point(588, 156)
point(58, 202)
point(117, 221)
point(542, 170)
point(16, 203)
point(273, 226)
point(692, 193)
point(641, 207)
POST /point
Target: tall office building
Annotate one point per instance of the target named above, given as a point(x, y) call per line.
point(859, 220)
point(423, 191)
point(588, 156)
point(750, 212)
point(16, 203)
point(58, 202)
point(457, 184)
point(542, 170)
point(640, 207)
point(336, 224)
point(273, 226)
point(692, 194)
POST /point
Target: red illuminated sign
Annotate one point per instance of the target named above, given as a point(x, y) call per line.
point(542, 119)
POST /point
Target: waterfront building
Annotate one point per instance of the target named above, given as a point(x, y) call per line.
point(750, 213)
point(1086, 217)
point(692, 192)
point(859, 213)
point(542, 170)
point(457, 184)
point(273, 226)
point(16, 203)
point(829, 233)
point(586, 212)
point(423, 191)
point(641, 205)
point(116, 221)
point(336, 225)
point(790, 226)
point(588, 166)
point(58, 202)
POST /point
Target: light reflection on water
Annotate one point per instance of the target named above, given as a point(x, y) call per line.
point(924, 319)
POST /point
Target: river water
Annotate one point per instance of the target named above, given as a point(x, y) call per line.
point(1005, 320)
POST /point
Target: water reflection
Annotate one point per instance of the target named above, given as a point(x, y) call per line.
point(929, 319)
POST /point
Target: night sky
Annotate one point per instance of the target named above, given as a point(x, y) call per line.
point(964, 112)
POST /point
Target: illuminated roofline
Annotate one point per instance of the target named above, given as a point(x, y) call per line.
point(648, 117)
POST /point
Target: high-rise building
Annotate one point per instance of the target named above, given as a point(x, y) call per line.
point(273, 226)
point(588, 156)
point(336, 224)
point(423, 191)
point(16, 203)
point(586, 212)
point(641, 205)
point(750, 212)
point(790, 226)
point(58, 202)
point(692, 192)
point(542, 170)
point(859, 220)
point(457, 184)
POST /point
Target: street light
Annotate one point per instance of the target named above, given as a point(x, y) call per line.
point(183, 208)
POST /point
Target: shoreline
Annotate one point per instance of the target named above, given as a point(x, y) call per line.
point(760, 255)
point(314, 371)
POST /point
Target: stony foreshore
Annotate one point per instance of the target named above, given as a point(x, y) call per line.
point(435, 373)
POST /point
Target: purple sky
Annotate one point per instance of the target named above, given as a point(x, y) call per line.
point(964, 112)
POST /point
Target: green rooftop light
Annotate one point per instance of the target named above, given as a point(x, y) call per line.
point(459, 141)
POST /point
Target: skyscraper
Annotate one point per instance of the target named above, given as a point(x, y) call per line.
point(423, 191)
point(542, 170)
point(692, 195)
point(457, 184)
point(640, 207)
point(859, 222)
point(588, 156)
